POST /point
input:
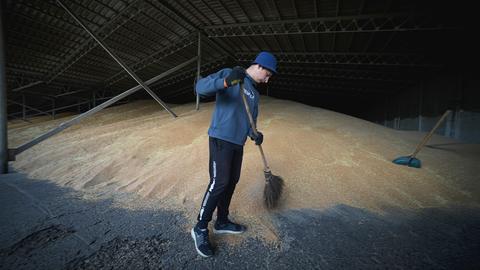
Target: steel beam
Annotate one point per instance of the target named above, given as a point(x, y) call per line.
point(71, 92)
point(349, 74)
point(61, 108)
point(313, 92)
point(334, 58)
point(39, 94)
point(77, 119)
point(375, 88)
point(155, 57)
point(53, 108)
point(16, 71)
point(27, 86)
point(24, 112)
point(29, 107)
point(86, 46)
point(118, 60)
point(300, 85)
point(345, 76)
point(180, 44)
point(339, 24)
point(219, 44)
point(20, 118)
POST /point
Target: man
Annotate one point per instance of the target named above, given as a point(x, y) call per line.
point(228, 132)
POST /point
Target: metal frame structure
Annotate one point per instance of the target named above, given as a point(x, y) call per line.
point(75, 52)
point(378, 59)
point(117, 59)
point(315, 33)
point(69, 123)
point(337, 24)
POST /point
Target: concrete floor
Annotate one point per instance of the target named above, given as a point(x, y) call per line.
point(46, 226)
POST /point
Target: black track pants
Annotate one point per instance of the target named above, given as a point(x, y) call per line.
point(225, 165)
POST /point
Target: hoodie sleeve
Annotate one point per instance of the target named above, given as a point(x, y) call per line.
point(213, 83)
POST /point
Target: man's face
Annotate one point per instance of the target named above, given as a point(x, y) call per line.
point(264, 74)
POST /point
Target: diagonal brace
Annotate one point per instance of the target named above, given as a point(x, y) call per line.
point(71, 122)
point(118, 60)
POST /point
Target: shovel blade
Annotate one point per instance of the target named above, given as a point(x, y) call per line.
point(408, 161)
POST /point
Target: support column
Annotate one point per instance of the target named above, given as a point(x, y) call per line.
point(385, 111)
point(458, 108)
point(448, 125)
point(397, 118)
point(94, 101)
point(3, 104)
point(24, 110)
point(420, 101)
point(53, 108)
point(199, 62)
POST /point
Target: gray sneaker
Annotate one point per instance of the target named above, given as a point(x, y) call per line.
point(202, 243)
point(228, 228)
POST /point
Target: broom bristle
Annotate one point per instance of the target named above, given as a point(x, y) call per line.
point(273, 190)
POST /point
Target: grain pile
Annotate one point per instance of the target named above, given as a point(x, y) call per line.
point(326, 158)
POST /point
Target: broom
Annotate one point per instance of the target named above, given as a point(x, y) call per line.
point(273, 183)
point(411, 160)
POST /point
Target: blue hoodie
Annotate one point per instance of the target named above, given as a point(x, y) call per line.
point(230, 120)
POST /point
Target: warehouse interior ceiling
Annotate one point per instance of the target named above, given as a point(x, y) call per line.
point(338, 54)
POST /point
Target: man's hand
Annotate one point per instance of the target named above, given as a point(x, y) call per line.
point(258, 138)
point(236, 76)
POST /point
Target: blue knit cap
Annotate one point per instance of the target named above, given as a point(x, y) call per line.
point(266, 60)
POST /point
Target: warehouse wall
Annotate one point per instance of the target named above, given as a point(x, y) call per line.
point(419, 107)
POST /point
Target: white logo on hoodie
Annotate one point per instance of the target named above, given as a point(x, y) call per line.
point(248, 93)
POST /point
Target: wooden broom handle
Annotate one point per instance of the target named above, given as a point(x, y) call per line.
point(254, 128)
point(430, 134)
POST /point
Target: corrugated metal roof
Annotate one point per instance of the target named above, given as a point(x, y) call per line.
point(352, 39)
